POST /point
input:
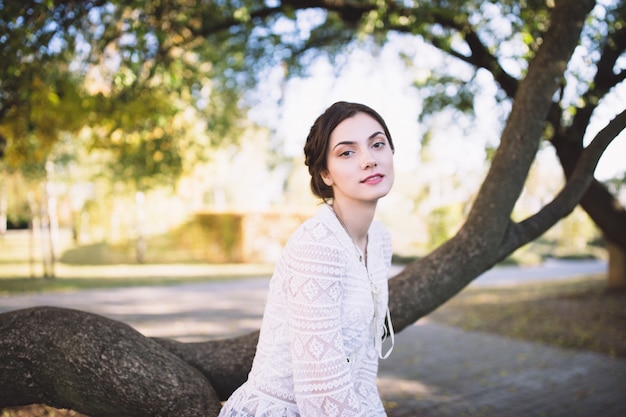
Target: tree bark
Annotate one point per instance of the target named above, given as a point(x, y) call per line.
point(428, 283)
point(603, 208)
point(99, 367)
point(616, 279)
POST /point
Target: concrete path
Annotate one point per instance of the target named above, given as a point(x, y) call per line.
point(434, 371)
point(440, 371)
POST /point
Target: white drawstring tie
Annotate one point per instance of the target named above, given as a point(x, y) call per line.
point(383, 328)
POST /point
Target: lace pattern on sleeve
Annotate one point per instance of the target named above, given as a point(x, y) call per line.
point(322, 380)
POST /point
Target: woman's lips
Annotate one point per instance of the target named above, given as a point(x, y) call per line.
point(373, 179)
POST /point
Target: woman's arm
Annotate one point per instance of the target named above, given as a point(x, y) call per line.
point(322, 378)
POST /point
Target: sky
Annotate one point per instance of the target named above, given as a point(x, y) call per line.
point(613, 161)
point(384, 84)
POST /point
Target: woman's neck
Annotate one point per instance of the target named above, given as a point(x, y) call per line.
point(356, 218)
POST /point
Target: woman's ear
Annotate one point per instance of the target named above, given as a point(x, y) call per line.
point(326, 178)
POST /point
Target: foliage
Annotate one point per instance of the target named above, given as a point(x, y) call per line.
point(441, 221)
point(33, 126)
point(210, 53)
point(100, 65)
point(618, 187)
point(39, 96)
point(124, 71)
point(217, 237)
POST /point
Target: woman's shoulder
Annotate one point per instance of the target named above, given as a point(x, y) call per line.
point(318, 229)
point(314, 242)
point(380, 238)
point(379, 231)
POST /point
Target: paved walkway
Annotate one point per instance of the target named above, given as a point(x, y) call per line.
point(434, 371)
point(439, 371)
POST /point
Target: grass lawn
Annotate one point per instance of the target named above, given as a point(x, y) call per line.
point(577, 314)
point(16, 278)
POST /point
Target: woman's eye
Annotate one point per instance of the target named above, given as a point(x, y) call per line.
point(379, 144)
point(345, 153)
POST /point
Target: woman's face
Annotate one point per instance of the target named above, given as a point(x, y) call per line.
point(359, 160)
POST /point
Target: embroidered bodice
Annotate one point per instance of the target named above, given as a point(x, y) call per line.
point(323, 327)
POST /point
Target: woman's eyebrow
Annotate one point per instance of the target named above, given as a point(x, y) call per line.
point(345, 142)
point(351, 142)
point(373, 135)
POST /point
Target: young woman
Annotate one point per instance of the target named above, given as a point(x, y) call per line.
point(326, 315)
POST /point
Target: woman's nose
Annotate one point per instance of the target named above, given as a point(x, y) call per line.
point(368, 161)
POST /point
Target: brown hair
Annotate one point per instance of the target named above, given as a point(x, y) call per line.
point(316, 146)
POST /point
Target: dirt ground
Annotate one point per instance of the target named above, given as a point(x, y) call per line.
point(38, 411)
point(579, 315)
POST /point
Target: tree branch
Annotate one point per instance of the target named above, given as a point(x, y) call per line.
point(569, 197)
point(480, 56)
point(604, 80)
point(426, 284)
point(225, 363)
point(524, 128)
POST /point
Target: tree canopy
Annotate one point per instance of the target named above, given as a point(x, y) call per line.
point(144, 62)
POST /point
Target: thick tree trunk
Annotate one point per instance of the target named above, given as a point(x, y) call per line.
point(99, 367)
point(616, 279)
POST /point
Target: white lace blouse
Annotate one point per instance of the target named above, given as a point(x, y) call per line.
point(323, 327)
